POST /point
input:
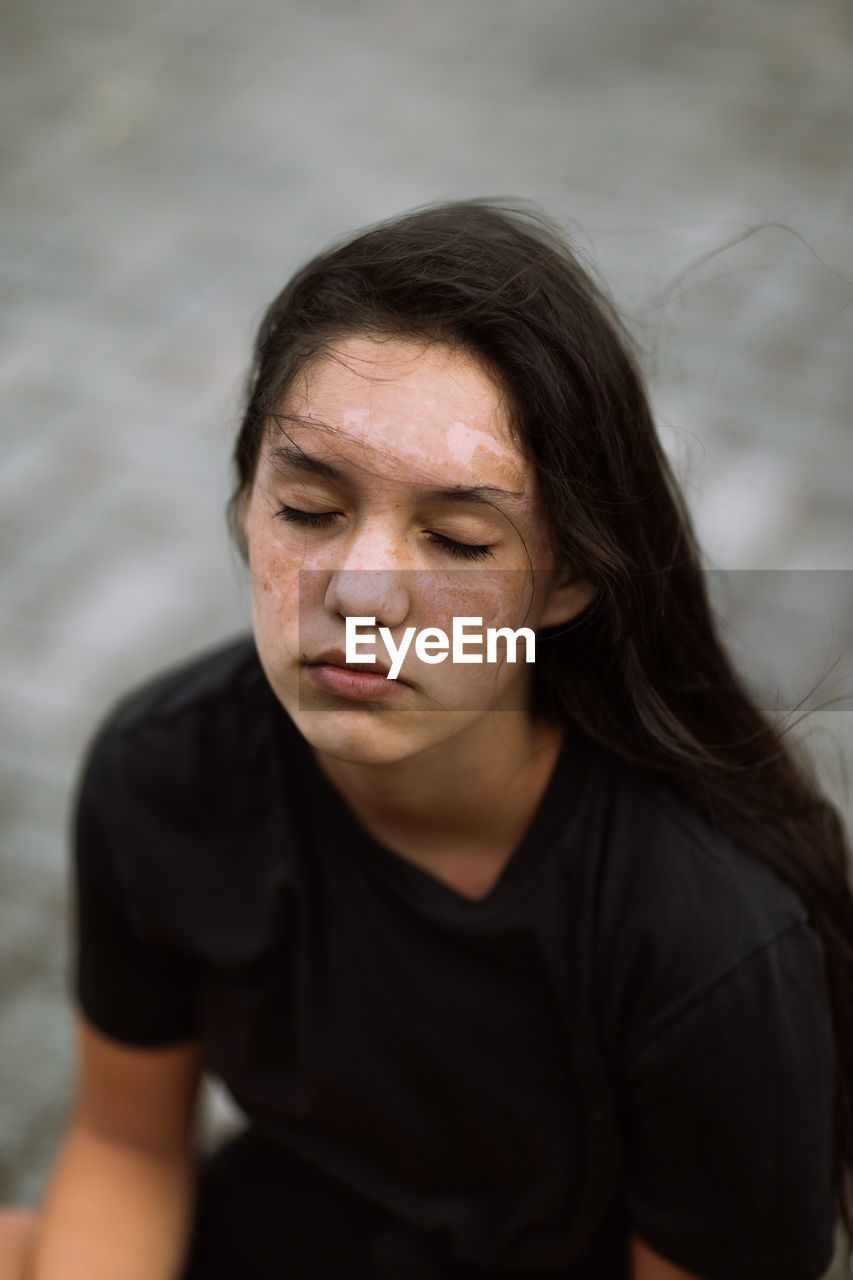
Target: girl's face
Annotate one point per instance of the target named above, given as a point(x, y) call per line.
point(356, 510)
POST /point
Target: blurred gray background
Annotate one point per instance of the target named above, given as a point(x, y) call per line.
point(165, 166)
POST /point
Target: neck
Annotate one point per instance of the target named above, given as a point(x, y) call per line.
point(480, 788)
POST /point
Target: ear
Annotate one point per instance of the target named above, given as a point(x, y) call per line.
point(568, 596)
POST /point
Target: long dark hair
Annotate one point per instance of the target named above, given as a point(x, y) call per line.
point(642, 670)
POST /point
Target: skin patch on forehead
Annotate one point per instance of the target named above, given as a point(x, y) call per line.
point(355, 417)
point(411, 406)
point(464, 442)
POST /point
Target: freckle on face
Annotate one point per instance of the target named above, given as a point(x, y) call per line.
point(398, 418)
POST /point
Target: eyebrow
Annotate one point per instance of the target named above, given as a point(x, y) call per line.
point(290, 456)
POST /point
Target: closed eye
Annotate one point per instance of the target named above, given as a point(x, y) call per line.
point(463, 550)
point(309, 519)
point(321, 519)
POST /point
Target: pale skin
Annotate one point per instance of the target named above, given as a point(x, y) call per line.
point(448, 776)
point(452, 779)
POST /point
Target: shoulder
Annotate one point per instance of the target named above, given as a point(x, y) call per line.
point(723, 1046)
point(680, 906)
point(177, 736)
point(194, 687)
point(180, 803)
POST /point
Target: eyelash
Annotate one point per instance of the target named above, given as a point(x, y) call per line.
point(320, 520)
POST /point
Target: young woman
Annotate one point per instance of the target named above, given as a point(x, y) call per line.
point(517, 968)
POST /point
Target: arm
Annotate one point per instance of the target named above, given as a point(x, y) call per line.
point(645, 1264)
point(119, 1200)
point(729, 1135)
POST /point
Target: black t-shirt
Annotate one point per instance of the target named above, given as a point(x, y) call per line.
point(629, 1033)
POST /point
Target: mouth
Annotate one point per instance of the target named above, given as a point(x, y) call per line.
point(337, 658)
point(354, 681)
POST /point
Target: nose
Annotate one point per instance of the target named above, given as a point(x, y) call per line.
point(371, 580)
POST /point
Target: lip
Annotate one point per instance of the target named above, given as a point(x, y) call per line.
point(356, 681)
point(358, 686)
point(337, 658)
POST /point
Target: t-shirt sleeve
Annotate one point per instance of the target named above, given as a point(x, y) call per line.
point(130, 985)
point(729, 1120)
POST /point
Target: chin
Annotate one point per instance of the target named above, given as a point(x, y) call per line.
point(354, 737)
point(362, 737)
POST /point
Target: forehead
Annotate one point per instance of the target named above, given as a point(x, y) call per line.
point(395, 403)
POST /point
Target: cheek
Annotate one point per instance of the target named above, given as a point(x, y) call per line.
point(500, 598)
point(274, 583)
